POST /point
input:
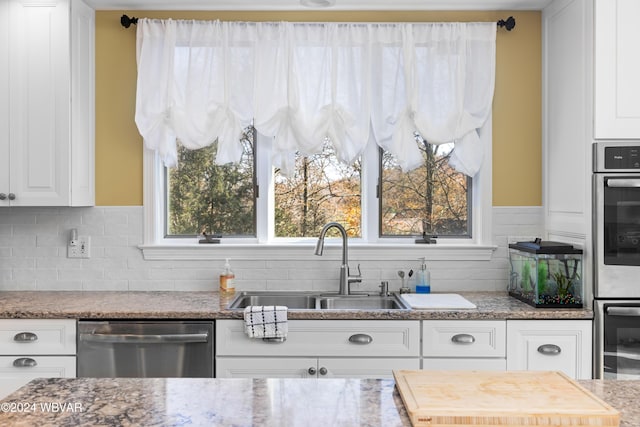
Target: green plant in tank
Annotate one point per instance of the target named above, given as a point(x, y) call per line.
point(526, 277)
point(563, 283)
point(543, 273)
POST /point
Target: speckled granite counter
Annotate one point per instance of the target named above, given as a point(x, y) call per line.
point(210, 305)
point(236, 402)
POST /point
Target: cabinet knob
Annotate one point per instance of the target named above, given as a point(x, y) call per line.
point(463, 339)
point(3, 196)
point(312, 371)
point(12, 196)
point(25, 362)
point(361, 339)
point(549, 349)
point(25, 337)
point(323, 371)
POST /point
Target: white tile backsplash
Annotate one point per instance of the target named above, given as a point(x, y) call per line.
point(33, 256)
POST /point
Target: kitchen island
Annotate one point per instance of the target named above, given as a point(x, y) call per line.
point(237, 402)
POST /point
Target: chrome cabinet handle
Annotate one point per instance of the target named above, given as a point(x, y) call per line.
point(323, 371)
point(463, 339)
point(3, 196)
point(361, 339)
point(25, 362)
point(25, 337)
point(549, 349)
point(275, 340)
point(312, 371)
point(12, 196)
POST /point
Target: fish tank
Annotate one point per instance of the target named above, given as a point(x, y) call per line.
point(546, 274)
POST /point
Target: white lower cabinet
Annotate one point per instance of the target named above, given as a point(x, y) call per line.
point(35, 348)
point(320, 348)
point(464, 345)
point(309, 367)
point(550, 345)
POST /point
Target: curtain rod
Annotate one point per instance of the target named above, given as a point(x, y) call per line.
point(508, 23)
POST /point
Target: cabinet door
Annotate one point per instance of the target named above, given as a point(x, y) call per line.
point(550, 345)
point(4, 100)
point(363, 368)
point(617, 67)
point(16, 371)
point(263, 367)
point(39, 62)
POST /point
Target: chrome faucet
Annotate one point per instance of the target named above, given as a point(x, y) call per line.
point(345, 277)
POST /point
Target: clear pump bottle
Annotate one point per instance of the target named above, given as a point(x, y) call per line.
point(423, 278)
point(227, 279)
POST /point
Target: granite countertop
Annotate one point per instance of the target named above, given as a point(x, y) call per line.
point(237, 402)
point(212, 305)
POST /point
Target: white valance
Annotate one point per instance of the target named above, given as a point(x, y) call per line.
point(304, 83)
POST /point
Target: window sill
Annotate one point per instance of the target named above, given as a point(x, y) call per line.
point(302, 251)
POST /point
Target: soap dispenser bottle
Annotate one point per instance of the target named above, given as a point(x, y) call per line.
point(423, 279)
point(227, 279)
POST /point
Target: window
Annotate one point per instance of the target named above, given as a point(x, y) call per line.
point(322, 189)
point(215, 199)
point(346, 193)
point(356, 97)
point(222, 199)
point(433, 198)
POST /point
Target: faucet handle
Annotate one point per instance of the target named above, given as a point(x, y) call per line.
point(354, 275)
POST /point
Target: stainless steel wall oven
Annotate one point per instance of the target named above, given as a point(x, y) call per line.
point(616, 248)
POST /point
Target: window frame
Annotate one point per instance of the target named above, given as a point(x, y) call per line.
point(371, 246)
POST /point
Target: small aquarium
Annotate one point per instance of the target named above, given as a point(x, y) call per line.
point(546, 274)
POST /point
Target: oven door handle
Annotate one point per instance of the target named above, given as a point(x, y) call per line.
point(144, 339)
point(623, 182)
point(624, 311)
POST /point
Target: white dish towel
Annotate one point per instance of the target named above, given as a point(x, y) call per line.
point(265, 321)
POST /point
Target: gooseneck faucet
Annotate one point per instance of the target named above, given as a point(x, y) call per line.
point(345, 278)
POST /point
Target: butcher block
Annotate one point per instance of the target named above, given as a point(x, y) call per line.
point(498, 398)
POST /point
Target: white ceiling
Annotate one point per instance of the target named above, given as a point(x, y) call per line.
point(340, 5)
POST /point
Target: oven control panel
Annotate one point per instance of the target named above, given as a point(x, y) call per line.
point(627, 157)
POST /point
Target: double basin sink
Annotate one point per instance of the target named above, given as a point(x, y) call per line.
point(318, 301)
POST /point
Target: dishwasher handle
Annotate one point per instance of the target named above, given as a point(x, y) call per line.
point(145, 338)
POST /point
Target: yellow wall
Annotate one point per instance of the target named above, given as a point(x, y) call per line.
point(516, 113)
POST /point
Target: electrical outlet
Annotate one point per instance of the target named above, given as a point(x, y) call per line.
point(79, 248)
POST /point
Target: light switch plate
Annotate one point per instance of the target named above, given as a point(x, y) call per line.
point(79, 248)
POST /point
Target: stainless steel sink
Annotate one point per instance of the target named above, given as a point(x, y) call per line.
point(315, 301)
point(291, 300)
point(356, 302)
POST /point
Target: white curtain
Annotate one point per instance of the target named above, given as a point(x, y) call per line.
point(305, 83)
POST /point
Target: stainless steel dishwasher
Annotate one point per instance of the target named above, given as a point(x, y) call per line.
point(164, 349)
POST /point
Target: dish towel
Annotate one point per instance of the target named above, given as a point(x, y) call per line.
point(265, 321)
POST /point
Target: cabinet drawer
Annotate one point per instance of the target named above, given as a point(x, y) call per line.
point(464, 338)
point(16, 371)
point(37, 336)
point(367, 338)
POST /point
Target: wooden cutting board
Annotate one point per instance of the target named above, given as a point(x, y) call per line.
point(496, 398)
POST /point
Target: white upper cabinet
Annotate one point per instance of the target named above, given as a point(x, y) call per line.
point(47, 111)
point(617, 67)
